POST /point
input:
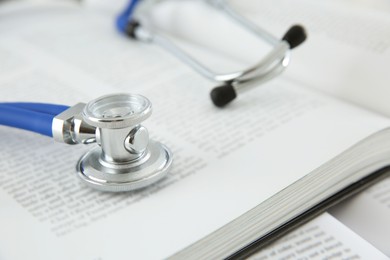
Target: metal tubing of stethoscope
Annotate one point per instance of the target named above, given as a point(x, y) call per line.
point(280, 51)
point(243, 86)
point(222, 5)
point(147, 36)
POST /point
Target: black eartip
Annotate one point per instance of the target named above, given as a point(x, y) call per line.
point(221, 96)
point(295, 36)
point(131, 27)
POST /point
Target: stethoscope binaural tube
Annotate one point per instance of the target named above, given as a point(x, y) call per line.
point(232, 83)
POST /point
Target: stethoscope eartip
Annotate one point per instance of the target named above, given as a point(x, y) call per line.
point(223, 95)
point(131, 27)
point(295, 36)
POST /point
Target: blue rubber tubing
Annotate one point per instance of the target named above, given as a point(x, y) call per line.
point(26, 119)
point(51, 109)
point(123, 19)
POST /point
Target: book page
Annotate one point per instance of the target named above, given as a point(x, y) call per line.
point(381, 6)
point(368, 215)
point(322, 238)
point(347, 50)
point(226, 161)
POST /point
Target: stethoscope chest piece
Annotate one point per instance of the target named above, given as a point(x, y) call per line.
point(125, 159)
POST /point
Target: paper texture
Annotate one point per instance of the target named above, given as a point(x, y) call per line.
point(368, 215)
point(322, 238)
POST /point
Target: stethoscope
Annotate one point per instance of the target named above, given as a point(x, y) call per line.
point(232, 84)
point(125, 158)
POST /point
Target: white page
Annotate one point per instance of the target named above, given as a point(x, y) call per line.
point(322, 238)
point(368, 215)
point(382, 6)
point(226, 161)
point(348, 47)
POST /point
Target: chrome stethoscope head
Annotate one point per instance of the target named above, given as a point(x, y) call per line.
point(232, 83)
point(125, 158)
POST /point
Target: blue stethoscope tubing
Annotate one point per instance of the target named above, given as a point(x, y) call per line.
point(35, 117)
point(124, 18)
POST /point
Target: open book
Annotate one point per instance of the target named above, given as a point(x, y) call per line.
point(241, 174)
